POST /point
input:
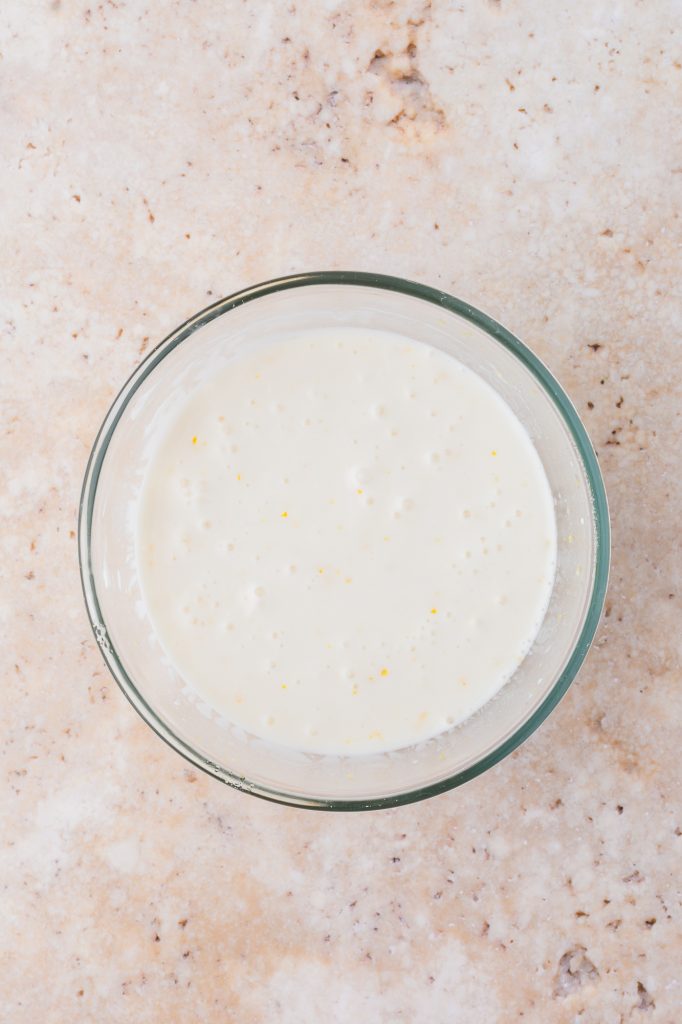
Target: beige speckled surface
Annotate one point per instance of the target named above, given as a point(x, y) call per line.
point(526, 156)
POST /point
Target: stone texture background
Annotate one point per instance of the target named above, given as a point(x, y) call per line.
point(528, 158)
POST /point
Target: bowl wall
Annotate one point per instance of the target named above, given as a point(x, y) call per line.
point(121, 456)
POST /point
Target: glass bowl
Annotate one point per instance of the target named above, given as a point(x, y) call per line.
point(111, 584)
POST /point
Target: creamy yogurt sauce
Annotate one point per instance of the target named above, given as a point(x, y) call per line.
point(346, 541)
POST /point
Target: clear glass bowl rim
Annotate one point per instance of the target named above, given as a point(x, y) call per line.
point(500, 334)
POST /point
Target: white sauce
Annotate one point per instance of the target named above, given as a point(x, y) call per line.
point(346, 541)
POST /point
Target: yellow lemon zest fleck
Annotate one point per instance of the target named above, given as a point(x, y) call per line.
point(384, 672)
point(239, 476)
point(359, 490)
point(493, 452)
point(434, 611)
point(320, 571)
point(284, 686)
point(194, 439)
point(355, 690)
point(376, 735)
point(284, 515)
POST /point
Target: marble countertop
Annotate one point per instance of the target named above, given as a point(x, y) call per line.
point(526, 157)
